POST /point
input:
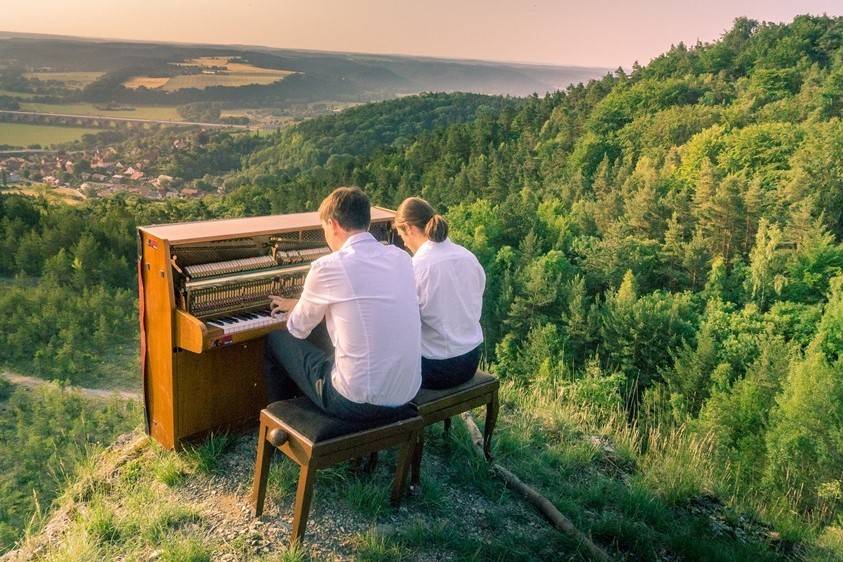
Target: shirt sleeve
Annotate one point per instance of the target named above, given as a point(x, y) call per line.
point(313, 303)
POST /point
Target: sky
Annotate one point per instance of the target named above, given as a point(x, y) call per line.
point(582, 32)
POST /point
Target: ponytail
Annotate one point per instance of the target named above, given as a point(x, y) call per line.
point(417, 212)
point(436, 228)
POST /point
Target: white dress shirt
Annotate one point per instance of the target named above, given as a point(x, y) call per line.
point(450, 283)
point(365, 292)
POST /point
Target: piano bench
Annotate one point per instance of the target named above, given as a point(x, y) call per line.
point(440, 405)
point(314, 440)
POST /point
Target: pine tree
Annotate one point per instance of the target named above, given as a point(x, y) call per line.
point(696, 259)
point(692, 371)
point(673, 252)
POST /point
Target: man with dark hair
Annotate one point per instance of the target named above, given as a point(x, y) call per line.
point(365, 292)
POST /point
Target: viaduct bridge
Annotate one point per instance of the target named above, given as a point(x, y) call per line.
point(101, 121)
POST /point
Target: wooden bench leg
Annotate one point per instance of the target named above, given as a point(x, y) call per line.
point(489, 426)
point(446, 430)
point(404, 457)
point(304, 493)
point(261, 471)
point(415, 472)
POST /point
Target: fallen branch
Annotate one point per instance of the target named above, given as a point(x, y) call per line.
point(545, 507)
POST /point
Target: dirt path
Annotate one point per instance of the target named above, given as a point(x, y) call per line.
point(98, 393)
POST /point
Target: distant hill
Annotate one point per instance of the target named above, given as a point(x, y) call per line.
point(317, 75)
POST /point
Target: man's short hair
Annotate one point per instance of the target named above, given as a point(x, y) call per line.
point(348, 206)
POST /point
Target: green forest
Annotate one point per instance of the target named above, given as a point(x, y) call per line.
point(663, 249)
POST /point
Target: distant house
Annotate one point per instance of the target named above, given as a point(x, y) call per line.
point(117, 178)
point(99, 177)
point(135, 176)
point(146, 191)
point(13, 164)
point(189, 192)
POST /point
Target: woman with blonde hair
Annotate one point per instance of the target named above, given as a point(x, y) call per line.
point(450, 284)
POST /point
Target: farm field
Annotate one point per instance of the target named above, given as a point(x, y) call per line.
point(163, 113)
point(72, 80)
point(236, 74)
point(21, 95)
point(24, 134)
point(52, 194)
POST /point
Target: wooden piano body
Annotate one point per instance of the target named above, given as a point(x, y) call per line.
point(202, 368)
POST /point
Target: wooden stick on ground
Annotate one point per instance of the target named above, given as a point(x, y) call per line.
point(545, 507)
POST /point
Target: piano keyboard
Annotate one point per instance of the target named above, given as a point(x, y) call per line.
point(245, 321)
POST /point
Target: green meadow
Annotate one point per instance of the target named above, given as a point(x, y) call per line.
point(24, 134)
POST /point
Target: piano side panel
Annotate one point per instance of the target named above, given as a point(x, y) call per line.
point(219, 389)
point(159, 307)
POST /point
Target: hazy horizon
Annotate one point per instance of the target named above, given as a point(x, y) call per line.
point(602, 33)
point(105, 39)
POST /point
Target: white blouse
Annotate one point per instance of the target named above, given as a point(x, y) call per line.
point(450, 284)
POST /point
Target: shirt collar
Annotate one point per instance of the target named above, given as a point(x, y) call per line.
point(357, 238)
point(428, 246)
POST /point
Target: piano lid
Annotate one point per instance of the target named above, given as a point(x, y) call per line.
point(221, 229)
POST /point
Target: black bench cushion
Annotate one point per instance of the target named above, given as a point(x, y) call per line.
point(302, 415)
point(427, 395)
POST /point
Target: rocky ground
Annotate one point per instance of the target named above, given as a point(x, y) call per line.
point(350, 516)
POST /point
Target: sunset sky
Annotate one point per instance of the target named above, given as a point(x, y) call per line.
point(589, 33)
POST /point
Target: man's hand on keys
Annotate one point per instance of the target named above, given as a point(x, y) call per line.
point(280, 305)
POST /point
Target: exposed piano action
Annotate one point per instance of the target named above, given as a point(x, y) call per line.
point(204, 290)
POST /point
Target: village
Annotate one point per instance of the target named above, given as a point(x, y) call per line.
point(95, 173)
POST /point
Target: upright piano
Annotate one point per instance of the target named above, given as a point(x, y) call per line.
point(204, 292)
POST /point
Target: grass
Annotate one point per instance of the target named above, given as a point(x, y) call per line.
point(367, 497)
point(633, 495)
point(207, 455)
point(116, 370)
point(61, 195)
point(148, 82)
point(283, 478)
point(233, 80)
point(168, 519)
point(170, 470)
point(185, 549)
point(24, 134)
point(40, 458)
point(236, 75)
point(11, 94)
point(161, 113)
point(101, 525)
point(370, 547)
point(72, 80)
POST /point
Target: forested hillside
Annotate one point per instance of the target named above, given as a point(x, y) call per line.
point(663, 252)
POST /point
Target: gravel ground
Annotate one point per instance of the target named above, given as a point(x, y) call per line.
point(333, 525)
